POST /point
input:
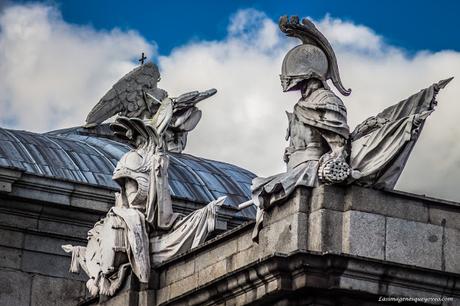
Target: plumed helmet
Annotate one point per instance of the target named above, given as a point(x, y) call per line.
point(315, 58)
point(135, 167)
point(302, 63)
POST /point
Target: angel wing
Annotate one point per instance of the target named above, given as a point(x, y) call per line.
point(127, 96)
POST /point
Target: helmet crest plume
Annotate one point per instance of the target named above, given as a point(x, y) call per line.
point(309, 35)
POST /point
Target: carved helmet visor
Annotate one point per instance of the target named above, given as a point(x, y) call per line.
point(302, 63)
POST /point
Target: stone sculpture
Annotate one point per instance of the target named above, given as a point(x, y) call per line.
point(321, 148)
point(142, 228)
point(136, 95)
point(318, 130)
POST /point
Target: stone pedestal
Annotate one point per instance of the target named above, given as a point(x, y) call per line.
point(323, 246)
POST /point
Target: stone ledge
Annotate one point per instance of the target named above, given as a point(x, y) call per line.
point(276, 276)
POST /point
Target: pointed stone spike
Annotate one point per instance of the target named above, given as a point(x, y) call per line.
point(443, 83)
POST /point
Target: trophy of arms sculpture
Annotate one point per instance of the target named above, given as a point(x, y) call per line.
point(321, 148)
point(142, 230)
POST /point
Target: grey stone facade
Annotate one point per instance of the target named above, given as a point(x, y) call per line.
point(325, 246)
point(329, 245)
point(38, 214)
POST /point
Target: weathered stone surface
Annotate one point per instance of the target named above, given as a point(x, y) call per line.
point(15, 288)
point(20, 220)
point(414, 243)
point(178, 271)
point(452, 250)
point(147, 297)
point(328, 197)
point(10, 258)
point(384, 203)
point(54, 291)
point(162, 295)
point(71, 230)
point(298, 202)
point(48, 264)
point(183, 285)
point(245, 257)
point(364, 234)
point(451, 215)
point(10, 238)
point(244, 241)
point(216, 254)
point(325, 231)
point(284, 236)
point(212, 272)
point(44, 244)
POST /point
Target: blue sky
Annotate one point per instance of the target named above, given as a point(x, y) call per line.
point(413, 25)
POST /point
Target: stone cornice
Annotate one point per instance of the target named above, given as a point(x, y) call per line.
point(277, 275)
point(22, 185)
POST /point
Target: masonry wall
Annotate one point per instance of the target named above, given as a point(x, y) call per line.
point(37, 216)
point(349, 243)
point(381, 229)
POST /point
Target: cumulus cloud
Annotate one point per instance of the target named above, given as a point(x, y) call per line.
point(51, 73)
point(245, 123)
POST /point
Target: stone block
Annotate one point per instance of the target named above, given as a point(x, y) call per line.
point(325, 231)
point(212, 272)
point(397, 290)
point(177, 272)
point(6, 186)
point(15, 288)
point(327, 197)
point(385, 203)
point(245, 257)
point(284, 236)
point(70, 229)
point(216, 254)
point(10, 258)
point(21, 220)
point(162, 295)
point(45, 244)
point(244, 241)
point(49, 265)
point(414, 243)
point(10, 238)
point(363, 234)
point(450, 214)
point(182, 286)
point(298, 202)
point(452, 250)
point(52, 291)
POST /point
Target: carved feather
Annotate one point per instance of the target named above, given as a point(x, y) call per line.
point(190, 99)
point(127, 96)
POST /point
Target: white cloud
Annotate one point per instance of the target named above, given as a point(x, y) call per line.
point(245, 122)
point(51, 73)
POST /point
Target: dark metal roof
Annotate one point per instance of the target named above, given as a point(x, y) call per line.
point(91, 160)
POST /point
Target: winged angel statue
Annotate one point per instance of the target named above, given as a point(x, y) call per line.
point(136, 95)
point(142, 228)
point(321, 148)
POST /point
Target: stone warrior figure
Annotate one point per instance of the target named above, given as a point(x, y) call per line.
point(142, 228)
point(321, 147)
point(318, 130)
